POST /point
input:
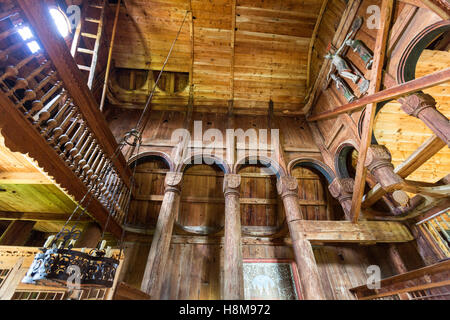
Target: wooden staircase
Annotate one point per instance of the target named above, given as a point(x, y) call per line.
point(86, 41)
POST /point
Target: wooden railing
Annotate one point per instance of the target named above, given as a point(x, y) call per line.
point(428, 283)
point(14, 264)
point(49, 112)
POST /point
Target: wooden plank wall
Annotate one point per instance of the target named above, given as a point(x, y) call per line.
point(194, 269)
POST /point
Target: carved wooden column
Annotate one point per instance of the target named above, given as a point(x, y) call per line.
point(423, 106)
point(304, 255)
point(342, 190)
point(90, 237)
point(159, 250)
point(378, 162)
point(233, 281)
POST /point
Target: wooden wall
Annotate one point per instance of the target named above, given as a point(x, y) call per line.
point(195, 265)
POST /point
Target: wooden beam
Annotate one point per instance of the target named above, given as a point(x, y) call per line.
point(17, 233)
point(126, 292)
point(108, 63)
point(361, 232)
point(375, 84)
point(316, 231)
point(440, 7)
point(428, 149)
point(311, 43)
point(38, 216)
point(24, 178)
point(394, 92)
point(418, 279)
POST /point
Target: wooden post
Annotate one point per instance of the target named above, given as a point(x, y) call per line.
point(304, 256)
point(90, 237)
point(233, 282)
point(378, 162)
point(423, 106)
point(159, 250)
point(17, 233)
point(369, 116)
point(342, 190)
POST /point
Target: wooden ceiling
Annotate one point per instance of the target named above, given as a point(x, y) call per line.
point(248, 51)
point(403, 134)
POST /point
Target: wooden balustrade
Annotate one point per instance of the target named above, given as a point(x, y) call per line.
point(52, 105)
point(431, 282)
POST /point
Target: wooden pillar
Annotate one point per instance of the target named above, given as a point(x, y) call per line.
point(342, 190)
point(159, 250)
point(423, 106)
point(17, 233)
point(378, 162)
point(233, 282)
point(90, 237)
point(304, 256)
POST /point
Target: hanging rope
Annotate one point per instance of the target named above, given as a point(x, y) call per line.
point(132, 138)
point(147, 104)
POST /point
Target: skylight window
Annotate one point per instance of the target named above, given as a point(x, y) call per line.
point(26, 34)
point(61, 22)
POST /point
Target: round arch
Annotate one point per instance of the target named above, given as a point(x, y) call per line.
point(198, 159)
point(340, 159)
point(269, 163)
point(314, 164)
point(153, 155)
point(407, 66)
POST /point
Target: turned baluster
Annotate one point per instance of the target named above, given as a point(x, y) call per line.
point(51, 76)
point(45, 64)
point(74, 151)
point(21, 83)
point(71, 143)
point(65, 136)
point(92, 166)
point(85, 157)
point(79, 155)
point(102, 187)
point(56, 132)
point(52, 123)
point(107, 188)
point(4, 54)
point(45, 112)
point(37, 105)
point(114, 193)
point(120, 197)
point(13, 71)
point(104, 175)
point(58, 84)
point(97, 169)
point(88, 164)
point(8, 33)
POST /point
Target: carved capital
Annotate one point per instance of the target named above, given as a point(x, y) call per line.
point(231, 183)
point(342, 189)
point(173, 181)
point(287, 186)
point(415, 103)
point(378, 156)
